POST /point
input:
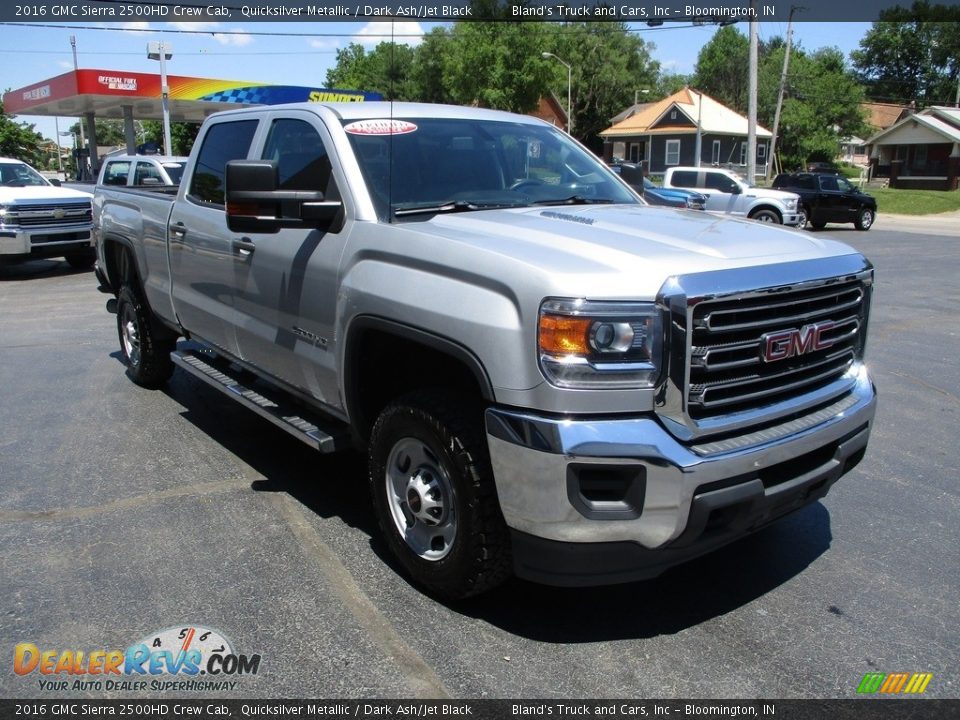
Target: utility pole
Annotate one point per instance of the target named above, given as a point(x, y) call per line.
point(73, 45)
point(783, 83)
point(752, 99)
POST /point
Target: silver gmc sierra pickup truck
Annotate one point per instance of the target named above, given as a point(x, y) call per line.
point(549, 377)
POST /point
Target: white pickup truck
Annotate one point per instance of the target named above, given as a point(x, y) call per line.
point(39, 219)
point(729, 194)
point(549, 377)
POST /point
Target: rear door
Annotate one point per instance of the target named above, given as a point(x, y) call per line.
point(202, 250)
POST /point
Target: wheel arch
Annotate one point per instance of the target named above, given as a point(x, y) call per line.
point(383, 359)
point(766, 206)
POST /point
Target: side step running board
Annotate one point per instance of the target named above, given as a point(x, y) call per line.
point(325, 435)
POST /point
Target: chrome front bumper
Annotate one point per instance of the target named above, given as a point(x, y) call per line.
point(20, 243)
point(605, 483)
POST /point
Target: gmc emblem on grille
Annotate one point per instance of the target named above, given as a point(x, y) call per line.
point(788, 343)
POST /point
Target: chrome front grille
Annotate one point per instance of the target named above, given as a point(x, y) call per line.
point(750, 351)
point(752, 347)
point(51, 215)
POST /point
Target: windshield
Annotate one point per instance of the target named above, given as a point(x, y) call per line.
point(20, 175)
point(421, 165)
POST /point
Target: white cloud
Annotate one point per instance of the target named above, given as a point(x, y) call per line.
point(325, 44)
point(65, 64)
point(134, 26)
point(198, 26)
point(402, 33)
point(237, 37)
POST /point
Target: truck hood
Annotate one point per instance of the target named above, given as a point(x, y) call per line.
point(770, 193)
point(615, 250)
point(40, 194)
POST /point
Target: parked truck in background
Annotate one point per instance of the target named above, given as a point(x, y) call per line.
point(40, 219)
point(142, 170)
point(828, 197)
point(729, 194)
point(548, 377)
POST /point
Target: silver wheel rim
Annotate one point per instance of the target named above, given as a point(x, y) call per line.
point(131, 335)
point(866, 219)
point(765, 217)
point(803, 219)
point(420, 498)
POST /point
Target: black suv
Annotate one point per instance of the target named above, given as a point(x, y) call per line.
point(825, 197)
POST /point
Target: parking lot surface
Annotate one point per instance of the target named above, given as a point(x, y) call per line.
point(126, 512)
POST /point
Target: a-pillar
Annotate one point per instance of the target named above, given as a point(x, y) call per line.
point(129, 131)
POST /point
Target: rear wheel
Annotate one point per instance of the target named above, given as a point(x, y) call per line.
point(818, 225)
point(864, 219)
point(145, 343)
point(434, 495)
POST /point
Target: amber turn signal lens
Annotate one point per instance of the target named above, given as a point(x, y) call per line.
point(564, 335)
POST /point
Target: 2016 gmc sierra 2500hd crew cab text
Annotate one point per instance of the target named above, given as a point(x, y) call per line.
point(550, 377)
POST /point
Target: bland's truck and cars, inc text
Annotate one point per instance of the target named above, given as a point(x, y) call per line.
point(550, 378)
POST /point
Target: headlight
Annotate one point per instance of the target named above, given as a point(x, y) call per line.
point(586, 344)
point(791, 204)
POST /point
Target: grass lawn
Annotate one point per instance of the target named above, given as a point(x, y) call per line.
point(915, 202)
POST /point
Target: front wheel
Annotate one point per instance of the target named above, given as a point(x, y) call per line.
point(864, 219)
point(145, 343)
point(804, 214)
point(766, 216)
point(434, 495)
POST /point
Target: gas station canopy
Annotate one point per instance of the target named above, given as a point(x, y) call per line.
point(106, 93)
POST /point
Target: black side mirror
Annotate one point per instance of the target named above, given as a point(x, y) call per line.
point(255, 205)
point(55, 182)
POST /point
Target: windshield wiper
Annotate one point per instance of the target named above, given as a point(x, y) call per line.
point(575, 200)
point(450, 207)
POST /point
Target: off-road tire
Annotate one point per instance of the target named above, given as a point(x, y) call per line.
point(145, 343)
point(445, 432)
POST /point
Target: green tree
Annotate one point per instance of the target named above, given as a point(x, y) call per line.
point(721, 69)
point(426, 74)
point(912, 54)
point(109, 132)
point(182, 135)
point(386, 69)
point(497, 65)
point(821, 106)
point(19, 140)
point(610, 65)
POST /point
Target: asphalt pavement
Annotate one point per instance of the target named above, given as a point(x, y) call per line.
point(127, 512)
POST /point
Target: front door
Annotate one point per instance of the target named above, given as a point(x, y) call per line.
point(285, 283)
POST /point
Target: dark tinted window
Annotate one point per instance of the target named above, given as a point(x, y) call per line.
point(719, 181)
point(684, 178)
point(223, 142)
point(828, 182)
point(302, 160)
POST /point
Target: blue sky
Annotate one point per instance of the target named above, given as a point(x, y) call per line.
point(247, 51)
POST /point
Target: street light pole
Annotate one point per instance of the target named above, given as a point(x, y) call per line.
point(162, 51)
point(569, 89)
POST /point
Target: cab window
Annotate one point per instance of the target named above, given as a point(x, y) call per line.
point(223, 142)
point(302, 160)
